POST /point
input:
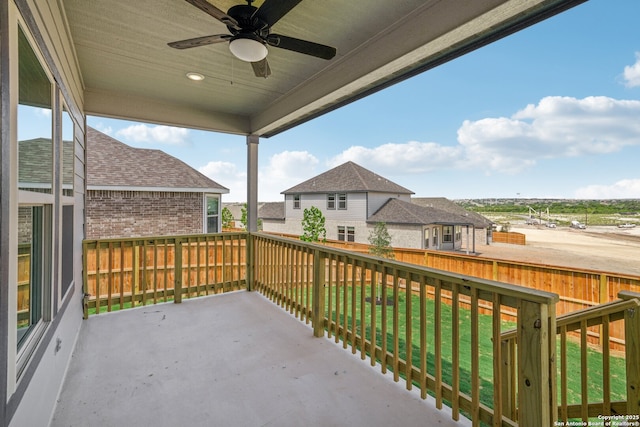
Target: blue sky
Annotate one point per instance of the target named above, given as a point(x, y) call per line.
point(550, 112)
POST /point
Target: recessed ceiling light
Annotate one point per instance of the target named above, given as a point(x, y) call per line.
point(196, 77)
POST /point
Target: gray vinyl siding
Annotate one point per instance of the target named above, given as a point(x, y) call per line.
point(356, 207)
point(376, 200)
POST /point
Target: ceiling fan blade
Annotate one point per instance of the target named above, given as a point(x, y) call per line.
point(301, 46)
point(272, 10)
point(261, 68)
point(200, 41)
point(210, 9)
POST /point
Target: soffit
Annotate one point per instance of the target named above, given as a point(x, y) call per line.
point(128, 71)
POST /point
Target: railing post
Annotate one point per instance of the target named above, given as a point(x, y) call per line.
point(603, 291)
point(250, 274)
point(318, 293)
point(632, 352)
point(177, 272)
point(534, 342)
point(135, 252)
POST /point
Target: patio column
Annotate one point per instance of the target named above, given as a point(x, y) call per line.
point(252, 182)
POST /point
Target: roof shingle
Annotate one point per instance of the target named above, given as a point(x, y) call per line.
point(348, 177)
point(114, 164)
point(396, 211)
point(447, 205)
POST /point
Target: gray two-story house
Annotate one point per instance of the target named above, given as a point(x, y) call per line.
point(354, 199)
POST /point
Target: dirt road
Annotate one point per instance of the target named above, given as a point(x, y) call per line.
point(607, 249)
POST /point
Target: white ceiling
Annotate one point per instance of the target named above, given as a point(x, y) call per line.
point(128, 70)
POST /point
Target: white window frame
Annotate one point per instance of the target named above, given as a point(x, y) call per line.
point(205, 225)
point(331, 201)
point(341, 199)
point(50, 220)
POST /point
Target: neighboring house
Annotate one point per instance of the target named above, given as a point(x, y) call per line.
point(481, 225)
point(142, 192)
point(353, 199)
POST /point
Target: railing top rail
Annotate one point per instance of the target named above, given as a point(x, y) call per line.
point(389, 266)
point(614, 310)
point(164, 239)
point(629, 295)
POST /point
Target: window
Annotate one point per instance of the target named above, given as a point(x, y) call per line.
point(296, 201)
point(426, 238)
point(447, 233)
point(458, 233)
point(67, 249)
point(36, 199)
point(68, 155)
point(435, 238)
point(213, 207)
point(339, 198)
point(342, 201)
point(68, 177)
point(351, 234)
point(331, 201)
point(346, 234)
point(34, 261)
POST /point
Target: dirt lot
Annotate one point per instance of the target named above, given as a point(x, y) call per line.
point(607, 249)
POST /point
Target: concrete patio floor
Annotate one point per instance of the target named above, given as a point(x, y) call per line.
point(227, 360)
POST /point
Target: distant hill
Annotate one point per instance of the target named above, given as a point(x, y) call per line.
point(565, 206)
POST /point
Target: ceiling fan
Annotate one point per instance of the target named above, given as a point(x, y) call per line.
point(250, 29)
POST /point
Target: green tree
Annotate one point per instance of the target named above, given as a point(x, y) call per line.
point(227, 218)
point(313, 226)
point(243, 218)
point(380, 241)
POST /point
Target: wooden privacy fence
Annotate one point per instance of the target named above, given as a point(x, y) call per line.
point(434, 344)
point(509, 237)
point(122, 273)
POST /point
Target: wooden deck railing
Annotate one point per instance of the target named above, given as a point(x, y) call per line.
point(624, 311)
point(442, 332)
point(446, 348)
point(120, 273)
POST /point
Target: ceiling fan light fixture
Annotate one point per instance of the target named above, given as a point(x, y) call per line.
point(247, 48)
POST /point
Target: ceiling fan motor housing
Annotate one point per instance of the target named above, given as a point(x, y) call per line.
point(250, 24)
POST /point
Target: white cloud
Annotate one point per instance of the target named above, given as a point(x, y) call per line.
point(556, 127)
point(632, 73)
point(228, 175)
point(623, 189)
point(283, 171)
point(45, 112)
point(412, 157)
point(155, 134)
point(103, 128)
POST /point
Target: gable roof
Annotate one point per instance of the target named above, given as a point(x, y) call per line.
point(447, 205)
point(396, 211)
point(271, 210)
point(114, 165)
point(348, 177)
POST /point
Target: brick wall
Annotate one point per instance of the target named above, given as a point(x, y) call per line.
point(114, 214)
